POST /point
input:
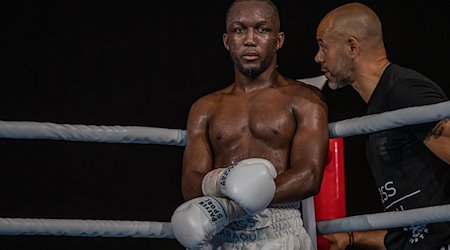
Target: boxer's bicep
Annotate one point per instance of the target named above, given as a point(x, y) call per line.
point(197, 156)
point(308, 152)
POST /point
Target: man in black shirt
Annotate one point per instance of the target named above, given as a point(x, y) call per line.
point(411, 163)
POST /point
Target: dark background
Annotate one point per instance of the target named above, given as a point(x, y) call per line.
point(143, 63)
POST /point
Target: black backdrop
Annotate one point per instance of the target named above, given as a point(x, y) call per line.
point(143, 63)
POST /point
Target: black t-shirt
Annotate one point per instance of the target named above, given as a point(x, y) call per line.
point(408, 175)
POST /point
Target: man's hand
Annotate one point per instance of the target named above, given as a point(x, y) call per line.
point(338, 241)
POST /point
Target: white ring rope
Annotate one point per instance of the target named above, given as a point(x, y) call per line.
point(85, 228)
point(391, 119)
point(92, 133)
point(148, 229)
point(385, 220)
point(148, 135)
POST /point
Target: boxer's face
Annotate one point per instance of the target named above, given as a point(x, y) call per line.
point(252, 37)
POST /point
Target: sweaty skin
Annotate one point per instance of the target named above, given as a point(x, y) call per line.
point(261, 114)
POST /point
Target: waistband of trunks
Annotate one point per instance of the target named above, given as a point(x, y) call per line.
point(272, 223)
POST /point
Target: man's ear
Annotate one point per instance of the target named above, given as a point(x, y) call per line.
point(280, 40)
point(353, 46)
point(225, 41)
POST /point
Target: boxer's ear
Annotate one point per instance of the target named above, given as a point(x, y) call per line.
point(280, 41)
point(225, 41)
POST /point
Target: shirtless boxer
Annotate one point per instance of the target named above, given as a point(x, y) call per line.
point(262, 132)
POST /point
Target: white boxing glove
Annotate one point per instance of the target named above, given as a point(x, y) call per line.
point(250, 183)
point(197, 221)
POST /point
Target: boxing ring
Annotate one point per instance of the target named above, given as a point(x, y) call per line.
point(177, 137)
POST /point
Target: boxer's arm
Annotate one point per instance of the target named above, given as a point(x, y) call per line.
point(197, 157)
point(438, 140)
point(308, 151)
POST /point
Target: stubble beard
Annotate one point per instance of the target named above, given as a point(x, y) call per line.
point(338, 83)
point(344, 75)
point(253, 72)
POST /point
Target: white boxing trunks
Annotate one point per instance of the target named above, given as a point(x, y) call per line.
point(275, 228)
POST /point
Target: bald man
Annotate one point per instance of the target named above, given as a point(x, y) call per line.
point(410, 164)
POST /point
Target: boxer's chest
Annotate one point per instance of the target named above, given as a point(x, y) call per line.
point(270, 122)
